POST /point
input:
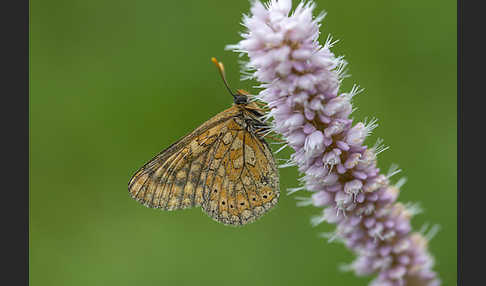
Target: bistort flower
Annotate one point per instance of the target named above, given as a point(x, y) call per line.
point(300, 81)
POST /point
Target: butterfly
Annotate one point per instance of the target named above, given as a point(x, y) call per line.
point(224, 166)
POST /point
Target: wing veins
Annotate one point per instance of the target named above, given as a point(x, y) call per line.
point(210, 162)
point(244, 161)
point(159, 181)
point(193, 200)
point(165, 154)
point(261, 147)
point(135, 195)
point(222, 182)
point(229, 160)
point(172, 183)
point(225, 177)
point(216, 170)
point(176, 160)
point(248, 198)
point(181, 196)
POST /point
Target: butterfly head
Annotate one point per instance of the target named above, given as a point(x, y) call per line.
point(241, 97)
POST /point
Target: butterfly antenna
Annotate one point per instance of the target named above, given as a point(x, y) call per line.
point(220, 67)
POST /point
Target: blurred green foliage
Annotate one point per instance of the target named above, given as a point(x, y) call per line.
point(114, 82)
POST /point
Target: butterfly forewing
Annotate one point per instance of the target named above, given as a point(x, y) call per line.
point(224, 166)
point(159, 181)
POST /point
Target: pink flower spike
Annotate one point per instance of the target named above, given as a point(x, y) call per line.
point(300, 80)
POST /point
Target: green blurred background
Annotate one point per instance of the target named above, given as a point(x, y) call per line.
point(115, 82)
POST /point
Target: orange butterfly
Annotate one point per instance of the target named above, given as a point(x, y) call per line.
point(224, 165)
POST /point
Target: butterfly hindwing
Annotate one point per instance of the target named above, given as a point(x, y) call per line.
point(242, 180)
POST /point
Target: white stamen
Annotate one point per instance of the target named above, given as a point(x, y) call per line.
point(400, 182)
point(331, 236)
point(393, 171)
point(281, 148)
point(294, 190)
point(316, 220)
point(304, 201)
point(432, 232)
point(413, 208)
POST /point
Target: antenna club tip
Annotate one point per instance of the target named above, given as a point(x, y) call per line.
point(219, 65)
point(243, 92)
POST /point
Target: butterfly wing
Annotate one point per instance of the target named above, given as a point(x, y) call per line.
point(223, 166)
point(241, 182)
point(172, 179)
